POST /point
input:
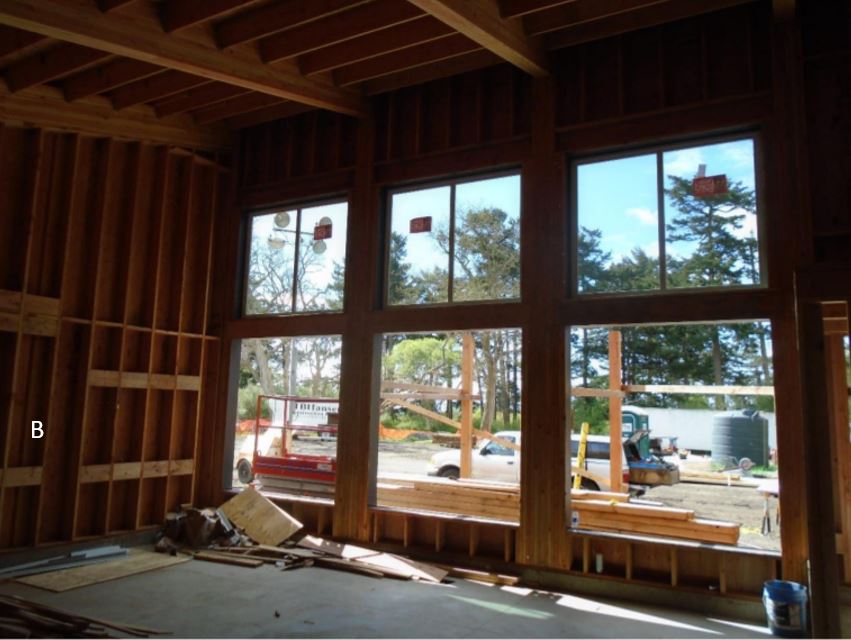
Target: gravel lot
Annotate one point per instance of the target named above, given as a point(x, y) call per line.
point(734, 504)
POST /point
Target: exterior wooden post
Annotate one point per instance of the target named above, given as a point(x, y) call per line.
point(467, 405)
point(615, 415)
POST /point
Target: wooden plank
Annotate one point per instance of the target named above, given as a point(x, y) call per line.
point(181, 467)
point(122, 35)
point(587, 392)
point(433, 71)
point(267, 114)
point(480, 21)
point(356, 22)
point(59, 61)
point(466, 424)
point(389, 40)
point(126, 470)
point(179, 15)
point(238, 105)
point(275, 17)
point(261, 519)
point(615, 414)
point(700, 389)
point(200, 96)
point(226, 558)
point(155, 468)
point(109, 76)
point(94, 473)
point(20, 476)
point(161, 85)
point(135, 562)
point(45, 107)
point(101, 378)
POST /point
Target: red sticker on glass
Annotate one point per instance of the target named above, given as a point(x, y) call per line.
point(421, 225)
point(322, 232)
point(709, 186)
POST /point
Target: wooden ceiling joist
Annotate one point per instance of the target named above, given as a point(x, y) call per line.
point(426, 73)
point(518, 8)
point(202, 96)
point(354, 23)
point(120, 35)
point(272, 18)
point(107, 77)
point(185, 13)
point(109, 5)
point(234, 107)
point(15, 40)
point(480, 21)
point(580, 12)
point(54, 63)
point(426, 53)
point(275, 112)
point(392, 39)
point(46, 107)
point(159, 86)
point(643, 17)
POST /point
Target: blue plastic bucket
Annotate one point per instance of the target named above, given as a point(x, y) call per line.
point(786, 608)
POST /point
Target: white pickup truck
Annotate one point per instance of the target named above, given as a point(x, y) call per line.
point(493, 461)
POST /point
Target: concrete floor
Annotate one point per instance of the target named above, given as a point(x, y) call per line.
point(201, 599)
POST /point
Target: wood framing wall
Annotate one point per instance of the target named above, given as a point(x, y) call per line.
point(712, 74)
point(105, 259)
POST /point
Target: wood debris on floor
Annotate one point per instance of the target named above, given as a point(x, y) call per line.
point(249, 530)
point(20, 618)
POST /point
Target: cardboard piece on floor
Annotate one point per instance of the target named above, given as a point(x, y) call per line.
point(404, 567)
point(260, 518)
point(136, 561)
point(345, 551)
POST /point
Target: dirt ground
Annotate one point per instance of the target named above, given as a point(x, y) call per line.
point(734, 504)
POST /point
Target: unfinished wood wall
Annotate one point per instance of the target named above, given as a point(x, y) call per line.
point(708, 74)
point(105, 254)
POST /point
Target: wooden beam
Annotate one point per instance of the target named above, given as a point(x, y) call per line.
point(480, 21)
point(123, 36)
point(109, 76)
point(109, 5)
point(700, 389)
point(234, 107)
point(275, 17)
point(615, 413)
point(276, 112)
point(642, 18)
point(185, 13)
point(433, 71)
point(354, 23)
point(586, 392)
point(59, 61)
point(395, 38)
point(161, 85)
point(201, 96)
point(14, 40)
point(468, 352)
point(579, 12)
point(46, 107)
point(423, 54)
point(517, 8)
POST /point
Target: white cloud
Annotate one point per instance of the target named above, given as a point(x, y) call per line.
point(684, 162)
point(643, 215)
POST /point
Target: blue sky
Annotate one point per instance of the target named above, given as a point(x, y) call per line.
point(619, 196)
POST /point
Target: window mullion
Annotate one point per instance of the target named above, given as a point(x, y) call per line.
point(451, 283)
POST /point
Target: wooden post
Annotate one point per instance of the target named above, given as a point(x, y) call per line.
point(838, 398)
point(467, 405)
point(615, 415)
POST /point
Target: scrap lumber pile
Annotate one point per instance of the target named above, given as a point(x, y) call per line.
point(596, 509)
point(249, 531)
point(20, 618)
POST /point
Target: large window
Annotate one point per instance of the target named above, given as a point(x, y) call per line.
point(454, 242)
point(672, 218)
point(296, 260)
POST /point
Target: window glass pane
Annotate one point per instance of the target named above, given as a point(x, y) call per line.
point(618, 234)
point(711, 229)
point(418, 268)
point(296, 384)
point(270, 263)
point(487, 239)
point(321, 266)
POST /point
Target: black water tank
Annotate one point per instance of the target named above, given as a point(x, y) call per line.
point(740, 434)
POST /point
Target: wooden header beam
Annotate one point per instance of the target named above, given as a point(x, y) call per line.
point(480, 21)
point(121, 35)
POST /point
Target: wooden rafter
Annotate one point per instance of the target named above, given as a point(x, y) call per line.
point(56, 62)
point(106, 77)
point(46, 107)
point(579, 12)
point(267, 114)
point(202, 96)
point(426, 73)
point(640, 18)
point(354, 23)
point(185, 13)
point(518, 8)
point(109, 5)
point(422, 54)
point(276, 17)
point(15, 40)
point(480, 21)
point(159, 86)
point(234, 107)
point(117, 34)
point(392, 39)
